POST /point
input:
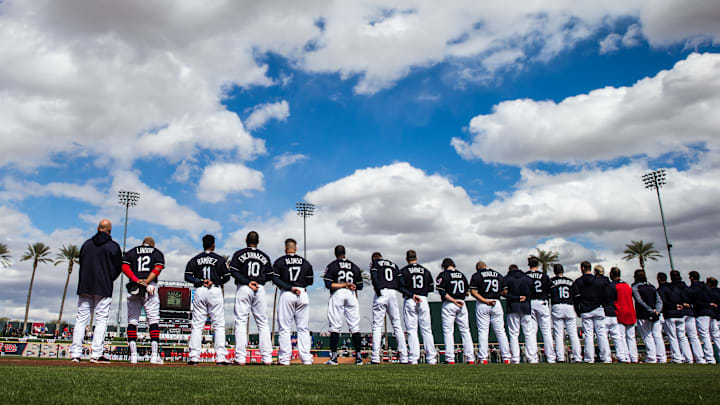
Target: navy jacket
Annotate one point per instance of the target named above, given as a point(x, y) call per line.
point(682, 289)
point(588, 293)
point(610, 295)
point(700, 299)
point(100, 265)
point(671, 297)
point(715, 298)
point(518, 284)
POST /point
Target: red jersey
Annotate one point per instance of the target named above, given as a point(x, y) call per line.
point(624, 306)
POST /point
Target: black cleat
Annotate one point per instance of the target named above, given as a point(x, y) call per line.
point(192, 363)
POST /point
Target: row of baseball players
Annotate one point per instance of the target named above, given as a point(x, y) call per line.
point(527, 295)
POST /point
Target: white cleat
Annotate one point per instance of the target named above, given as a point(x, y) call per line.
point(133, 359)
point(156, 360)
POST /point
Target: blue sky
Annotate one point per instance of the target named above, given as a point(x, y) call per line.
point(455, 146)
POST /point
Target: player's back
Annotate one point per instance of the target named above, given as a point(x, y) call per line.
point(561, 290)
point(418, 279)
point(488, 282)
point(342, 271)
point(386, 274)
point(143, 259)
point(453, 282)
point(253, 264)
point(294, 270)
point(518, 284)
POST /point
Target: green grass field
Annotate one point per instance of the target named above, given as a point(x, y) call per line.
point(531, 384)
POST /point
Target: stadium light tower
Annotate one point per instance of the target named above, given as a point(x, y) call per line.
point(655, 180)
point(305, 210)
point(128, 199)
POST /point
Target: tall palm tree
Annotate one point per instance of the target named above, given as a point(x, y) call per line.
point(4, 255)
point(642, 251)
point(38, 253)
point(547, 258)
point(71, 255)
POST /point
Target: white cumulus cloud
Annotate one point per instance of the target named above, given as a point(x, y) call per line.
point(265, 112)
point(220, 179)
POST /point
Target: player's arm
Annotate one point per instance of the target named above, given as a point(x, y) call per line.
point(128, 259)
point(190, 275)
point(476, 294)
point(402, 287)
point(328, 278)
point(358, 276)
point(223, 273)
point(277, 269)
point(374, 279)
point(158, 266)
point(309, 277)
point(234, 268)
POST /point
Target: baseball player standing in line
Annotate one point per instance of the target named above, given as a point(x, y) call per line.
point(588, 297)
point(251, 268)
point(293, 274)
point(674, 326)
point(386, 279)
point(342, 277)
point(519, 287)
point(690, 326)
point(207, 272)
point(419, 283)
point(563, 315)
point(453, 288)
point(648, 307)
point(700, 301)
point(625, 314)
point(540, 307)
point(142, 265)
point(712, 284)
point(100, 265)
point(486, 286)
point(611, 323)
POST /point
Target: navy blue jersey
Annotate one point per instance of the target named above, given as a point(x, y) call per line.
point(294, 270)
point(699, 296)
point(143, 259)
point(343, 271)
point(561, 290)
point(488, 283)
point(541, 285)
point(207, 266)
point(588, 293)
point(251, 264)
point(418, 279)
point(715, 299)
point(518, 285)
point(385, 274)
point(453, 283)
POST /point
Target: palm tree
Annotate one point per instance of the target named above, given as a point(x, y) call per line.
point(38, 253)
point(546, 258)
point(641, 250)
point(4, 255)
point(71, 255)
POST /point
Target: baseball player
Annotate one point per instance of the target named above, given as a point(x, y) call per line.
point(207, 272)
point(712, 284)
point(293, 274)
point(563, 315)
point(648, 307)
point(703, 312)
point(674, 314)
point(452, 286)
point(251, 268)
point(519, 287)
point(100, 265)
point(625, 314)
point(486, 286)
point(611, 322)
point(540, 307)
point(419, 283)
point(386, 280)
point(690, 325)
point(142, 265)
point(588, 297)
point(343, 278)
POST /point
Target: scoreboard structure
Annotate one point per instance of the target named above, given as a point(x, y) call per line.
point(175, 313)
